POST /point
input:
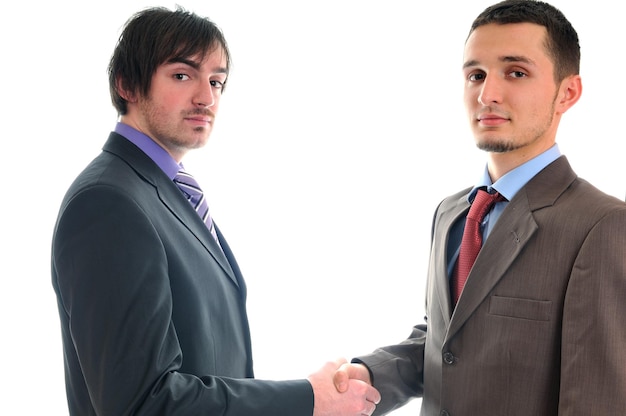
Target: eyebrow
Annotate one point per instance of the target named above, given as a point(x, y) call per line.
point(507, 58)
point(194, 64)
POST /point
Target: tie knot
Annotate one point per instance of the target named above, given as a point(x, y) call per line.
point(188, 184)
point(483, 203)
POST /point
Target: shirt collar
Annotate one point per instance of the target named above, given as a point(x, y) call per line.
point(151, 148)
point(509, 184)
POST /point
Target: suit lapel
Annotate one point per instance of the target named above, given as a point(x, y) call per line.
point(448, 216)
point(511, 233)
point(170, 196)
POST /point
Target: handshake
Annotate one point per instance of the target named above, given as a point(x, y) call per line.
point(342, 388)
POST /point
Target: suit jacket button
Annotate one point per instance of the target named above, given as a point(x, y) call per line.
point(448, 358)
point(444, 413)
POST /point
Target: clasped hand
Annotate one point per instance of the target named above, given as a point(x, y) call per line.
point(341, 388)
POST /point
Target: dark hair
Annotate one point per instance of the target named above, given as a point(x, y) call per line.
point(152, 37)
point(561, 42)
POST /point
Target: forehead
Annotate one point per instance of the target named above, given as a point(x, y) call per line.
point(496, 41)
point(215, 54)
point(214, 59)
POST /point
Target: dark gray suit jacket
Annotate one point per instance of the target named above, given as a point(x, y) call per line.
point(152, 312)
point(539, 329)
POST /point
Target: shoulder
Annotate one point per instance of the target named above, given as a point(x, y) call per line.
point(590, 201)
point(454, 201)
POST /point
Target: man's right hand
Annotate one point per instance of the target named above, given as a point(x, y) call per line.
point(356, 397)
point(350, 371)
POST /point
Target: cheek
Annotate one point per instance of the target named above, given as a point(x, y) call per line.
point(217, 98)
point(470, 95)
point(470, 101)
point(537, 105)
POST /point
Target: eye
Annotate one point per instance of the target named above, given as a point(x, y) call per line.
point(181, 77)
point(217, 84)
point(517, 74)
point(474, 77)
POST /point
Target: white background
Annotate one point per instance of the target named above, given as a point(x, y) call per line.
point(338, 116)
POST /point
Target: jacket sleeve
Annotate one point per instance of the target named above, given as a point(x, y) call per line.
point(593, 359)
point(110, 273)
point(397, 371)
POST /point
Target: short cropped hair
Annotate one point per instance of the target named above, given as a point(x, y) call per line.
point(562, 42)
point(153, 37)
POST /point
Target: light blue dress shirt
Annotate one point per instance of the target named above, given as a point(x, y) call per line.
point(508, 186)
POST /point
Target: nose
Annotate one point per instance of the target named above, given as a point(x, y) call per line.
point(205, 95)
point(490, 91)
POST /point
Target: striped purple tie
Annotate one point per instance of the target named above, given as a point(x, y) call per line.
point(195, 196)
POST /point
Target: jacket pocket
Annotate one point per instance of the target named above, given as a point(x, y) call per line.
point(536, 310)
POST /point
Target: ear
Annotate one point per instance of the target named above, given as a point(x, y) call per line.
point(569, 93)
point(129, 96)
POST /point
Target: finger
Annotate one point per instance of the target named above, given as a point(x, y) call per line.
point(340, 361)
point(369, 410)
point(340, 379)
point(373, 396)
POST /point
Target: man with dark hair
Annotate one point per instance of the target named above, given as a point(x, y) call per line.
point(532, 323)
point(150, 297)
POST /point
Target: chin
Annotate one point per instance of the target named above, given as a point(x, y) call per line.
point(494, 145)
point(202, 139)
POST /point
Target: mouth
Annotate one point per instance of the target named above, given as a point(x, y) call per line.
point(199, 120)
point(491, 120)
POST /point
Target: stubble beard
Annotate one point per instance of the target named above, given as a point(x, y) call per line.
point(497, 146)
point(170, 135)
point(494, 143)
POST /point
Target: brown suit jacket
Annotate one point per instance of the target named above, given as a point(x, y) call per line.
point(539, 329)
